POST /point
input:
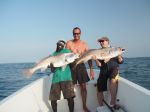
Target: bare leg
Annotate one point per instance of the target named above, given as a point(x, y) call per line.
point(54, 105)
point(71, 104)
point(100, 97)
point(113, 90)
point(84, 96)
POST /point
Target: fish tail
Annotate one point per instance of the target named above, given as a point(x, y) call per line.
point(76, 64)
point(28, 73)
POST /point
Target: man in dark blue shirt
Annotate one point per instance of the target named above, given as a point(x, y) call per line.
point(109, 69)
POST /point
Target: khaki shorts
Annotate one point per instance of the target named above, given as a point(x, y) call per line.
point(66, 87)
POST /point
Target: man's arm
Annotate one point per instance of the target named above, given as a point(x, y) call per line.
point(90, 64)
point(90, 61)
point(91, 69)
point(120, 59)
point(96, 60)
point(67, 45)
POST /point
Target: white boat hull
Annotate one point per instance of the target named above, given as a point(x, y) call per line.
point(34, 98)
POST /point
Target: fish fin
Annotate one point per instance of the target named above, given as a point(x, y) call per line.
point(64, 67)
point(43, 69)
point(67, 60)
point(28, 73)
point(74, 66)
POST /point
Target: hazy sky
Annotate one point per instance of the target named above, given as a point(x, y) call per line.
point(29, 29)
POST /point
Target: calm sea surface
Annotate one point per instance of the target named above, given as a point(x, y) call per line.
point(136, 70)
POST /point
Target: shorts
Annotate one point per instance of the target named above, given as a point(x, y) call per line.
point(79, 74)
point(102, 80)
point(66, 87)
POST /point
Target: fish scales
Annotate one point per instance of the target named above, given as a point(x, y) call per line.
point(101, 54)
point(60, 60)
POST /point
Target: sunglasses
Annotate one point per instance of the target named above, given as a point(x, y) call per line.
point(101, 40)
point(60, 44)
point(76, 33)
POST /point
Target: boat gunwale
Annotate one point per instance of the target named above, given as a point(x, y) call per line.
point(21, 90)
point(136, 86)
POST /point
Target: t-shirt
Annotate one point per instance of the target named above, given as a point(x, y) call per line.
point(108, 67)
point(60, 74)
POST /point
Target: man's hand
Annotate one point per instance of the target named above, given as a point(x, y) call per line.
point(120, 59)
point(119, 56)
point(52, 68)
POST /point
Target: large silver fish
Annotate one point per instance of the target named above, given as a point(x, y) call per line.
point(60, 60)
point(102, 54)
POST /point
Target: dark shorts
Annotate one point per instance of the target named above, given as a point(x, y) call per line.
point(102, 80)
point(66, 87)
point(79, 74)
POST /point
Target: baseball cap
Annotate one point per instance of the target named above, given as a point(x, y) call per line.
point(103, 38)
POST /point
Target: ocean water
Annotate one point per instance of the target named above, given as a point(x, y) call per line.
point(136, 70)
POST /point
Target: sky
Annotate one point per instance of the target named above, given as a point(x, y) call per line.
point(29, 29)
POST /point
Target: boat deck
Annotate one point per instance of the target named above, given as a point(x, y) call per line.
point(92, 102)
point(34, 98)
